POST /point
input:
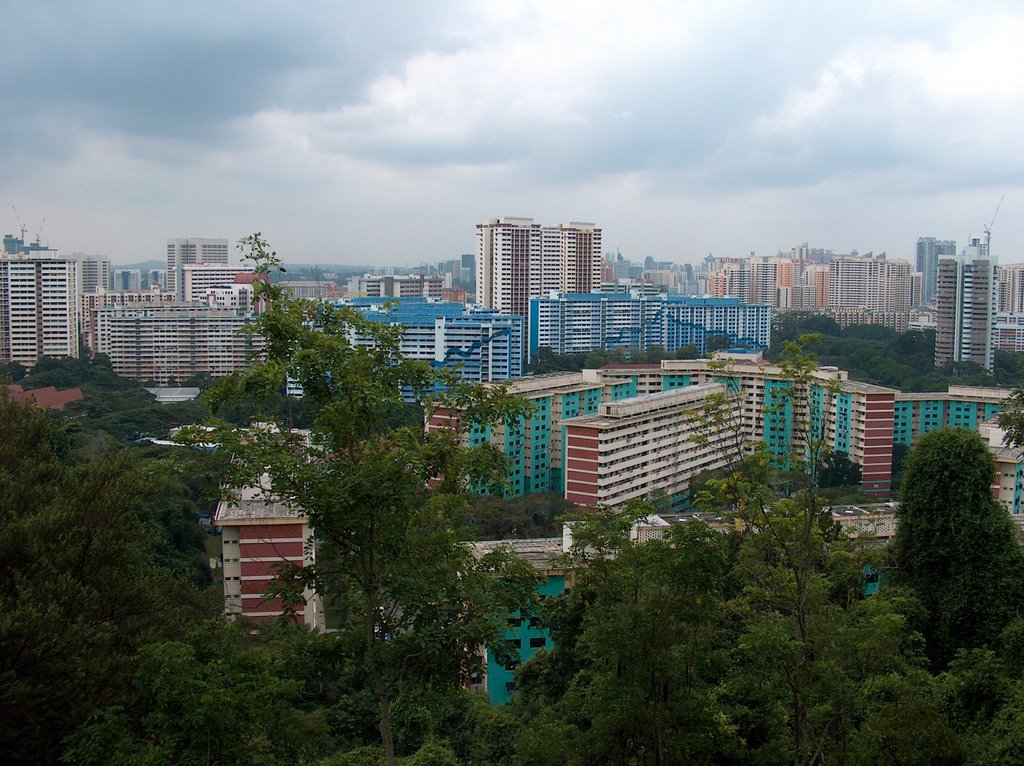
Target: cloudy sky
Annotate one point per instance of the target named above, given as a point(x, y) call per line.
point(382, 132)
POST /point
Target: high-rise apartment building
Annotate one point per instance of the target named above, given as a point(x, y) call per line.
point(517, 260)
point(94, 272)
point(856, 281)
point(1010, 288)
point(965, 308)
point(929, 251)
point(182, 252)
point(92, 303)
point(480, 344)
point(126, 280)
point(38, 306)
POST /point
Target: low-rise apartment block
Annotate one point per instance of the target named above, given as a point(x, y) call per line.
point(636, 447)
point(260, 534)
point(959, 407)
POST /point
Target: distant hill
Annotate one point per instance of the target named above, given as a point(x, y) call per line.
point(141, 265)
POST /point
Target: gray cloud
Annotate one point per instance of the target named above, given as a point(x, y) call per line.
point(323, 119)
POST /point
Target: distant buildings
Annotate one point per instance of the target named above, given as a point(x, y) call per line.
point(38, 304)
point(483, 345)
point(197, 278)
point(929, 251)
point(577, 323)
point(869, 283)
point(171, 342)
point(94, 272)
point(184, 252)
point(389, 286)
point(965, 308)
point(517, 260)
point(597, 438)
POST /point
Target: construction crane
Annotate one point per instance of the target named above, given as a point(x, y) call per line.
point(988, 229)
point(39, 231)
point(21, 226)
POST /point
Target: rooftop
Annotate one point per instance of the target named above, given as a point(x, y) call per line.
point(539, 552)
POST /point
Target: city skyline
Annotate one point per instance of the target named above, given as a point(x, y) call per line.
point(364, 135)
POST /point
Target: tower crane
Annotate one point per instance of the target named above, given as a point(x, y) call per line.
point(988, 229)
point(21, 226)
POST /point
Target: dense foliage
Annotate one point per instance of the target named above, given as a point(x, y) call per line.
point(879, 355)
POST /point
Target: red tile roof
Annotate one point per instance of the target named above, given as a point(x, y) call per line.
point(48, 398)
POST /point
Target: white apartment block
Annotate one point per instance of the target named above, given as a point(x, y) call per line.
point(197, 278)
point(175, 341)
point(518, 259)
point(93, 302)
point(388, 286)
point(238, 298)
point(39, 311)
point(94, 272)
point(183, 252)
point(965, 309)
point(871, 283)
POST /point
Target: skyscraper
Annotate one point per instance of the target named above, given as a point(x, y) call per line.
point(929, 251)
point(182, 252)
point(965, 308)
point(517, 259)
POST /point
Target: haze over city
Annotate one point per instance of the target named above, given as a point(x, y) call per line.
point(363, 133)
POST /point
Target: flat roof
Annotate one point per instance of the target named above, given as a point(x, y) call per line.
point(254, 505)
point(540, 552)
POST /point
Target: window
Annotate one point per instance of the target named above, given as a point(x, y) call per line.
point(538, 642)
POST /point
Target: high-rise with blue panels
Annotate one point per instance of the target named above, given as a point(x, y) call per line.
point(576, 323)
point(484, 345)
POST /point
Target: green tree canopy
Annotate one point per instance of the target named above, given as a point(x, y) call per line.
point(387, 502)
point(955, 544)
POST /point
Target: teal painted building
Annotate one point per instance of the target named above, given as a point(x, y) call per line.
point(959, 407)
point(520, 634)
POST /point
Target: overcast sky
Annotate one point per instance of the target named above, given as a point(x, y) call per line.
point(382, 132)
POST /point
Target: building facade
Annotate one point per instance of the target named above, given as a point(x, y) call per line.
point(196, 250)
point(578, 323)
point(965, 311)
point(929, 251)
point(850, 417)
point(197, 278)
point(93, 302)
point(517, 260)
point(259, 534)
point(175, 341)
point(93, 272)
point(39, 306)
point(482, 345)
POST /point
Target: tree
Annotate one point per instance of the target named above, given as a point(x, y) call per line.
point(82, 584)
point(955, 544)
point(386, 503)
point(809, 641)
point(647, 656)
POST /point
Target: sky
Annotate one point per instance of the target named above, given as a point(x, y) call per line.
point(382, 132)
